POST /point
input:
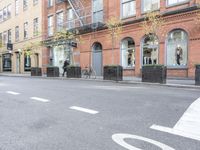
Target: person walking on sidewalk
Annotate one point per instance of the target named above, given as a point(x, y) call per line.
point(66, 63)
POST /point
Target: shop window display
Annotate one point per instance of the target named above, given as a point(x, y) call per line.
point(27, 63)
point(177, 44)
point(7, 65)
point(58, 55)
point(150, 50)
point(128, 53)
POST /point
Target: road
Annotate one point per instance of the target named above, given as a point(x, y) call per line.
point(44, 114)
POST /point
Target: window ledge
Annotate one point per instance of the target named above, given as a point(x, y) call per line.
point(145, 12)
point(177, 68)
point(128, 68)
point(129, 17)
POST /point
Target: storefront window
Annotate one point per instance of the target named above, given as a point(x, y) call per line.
point(7, 65)
point(128, 52)
point(59, 54)
point(27, 63)
point(150, 50)
point(177, 48)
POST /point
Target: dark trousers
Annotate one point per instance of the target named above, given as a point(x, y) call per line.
point(178, 59)
point(65, 70)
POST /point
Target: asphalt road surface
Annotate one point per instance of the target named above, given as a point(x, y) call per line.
point(44, 114)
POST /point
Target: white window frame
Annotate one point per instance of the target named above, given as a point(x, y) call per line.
point(35, 2)
point(17, 33)
point(126, 50)
point(25, 4)
point(166, 50)
point(177, 3)
point(122, 11)
point(95, 12)
point(35, 26)
point(5, 37)
point(16, 7)
point(4, 13)
point(50, 25)
point(70, 19)
point(9, 36)
point(9, 8)
point(143, 6)
point(1, 15)
point(59, 21)
point(26, 30)
point(49, 3)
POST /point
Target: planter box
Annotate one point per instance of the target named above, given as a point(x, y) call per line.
point(154, 73)
point(197, 75)
point(113, 73)
point(53, 72)
point(36, 71)
point(73, 72)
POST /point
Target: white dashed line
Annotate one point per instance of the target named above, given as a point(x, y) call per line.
point(84, 110)
point(13, 93)
point(39, 99)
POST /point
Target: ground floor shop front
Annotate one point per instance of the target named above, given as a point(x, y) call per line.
point(177, 46)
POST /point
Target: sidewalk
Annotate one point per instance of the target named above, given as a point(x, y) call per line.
point(171, 82)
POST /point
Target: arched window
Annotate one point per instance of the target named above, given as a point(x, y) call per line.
point(177, 48)
point(97, 47)
point(150, 50)
point(128, 52)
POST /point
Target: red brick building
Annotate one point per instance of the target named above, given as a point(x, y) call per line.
point(177, 46)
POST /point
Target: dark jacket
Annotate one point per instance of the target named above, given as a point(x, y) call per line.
point(66, 63)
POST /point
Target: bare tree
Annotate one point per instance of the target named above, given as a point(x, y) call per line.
point(152, 24)
point(114, 26)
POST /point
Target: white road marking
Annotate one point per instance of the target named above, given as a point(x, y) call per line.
point(120, 139)
point(13, 93)
point(84, 110)
point(188, 125)
point(39, 99)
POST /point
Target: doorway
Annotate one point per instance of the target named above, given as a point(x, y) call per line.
point(97, 58)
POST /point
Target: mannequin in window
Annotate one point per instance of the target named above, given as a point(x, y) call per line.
point(130, 59)
point(178, 54)
point(154, 56)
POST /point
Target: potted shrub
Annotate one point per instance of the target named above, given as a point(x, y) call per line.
point(36, 71)
point(53, 71)
point(113, 72)
point(197, 74)
point(154, 73)
point(73, 71)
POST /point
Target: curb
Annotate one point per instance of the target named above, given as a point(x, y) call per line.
point(101, 80)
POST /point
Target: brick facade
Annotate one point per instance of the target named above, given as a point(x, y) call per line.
point(180, 16)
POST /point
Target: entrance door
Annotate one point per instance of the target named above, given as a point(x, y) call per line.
point(97, 58)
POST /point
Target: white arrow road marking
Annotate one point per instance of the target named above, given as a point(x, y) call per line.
point(84, 110)
point(13, 93)
point(188, 125)
point(119, 139)
point(39, 99)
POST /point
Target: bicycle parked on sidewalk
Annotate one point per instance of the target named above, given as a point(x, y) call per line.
point(88, 72)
